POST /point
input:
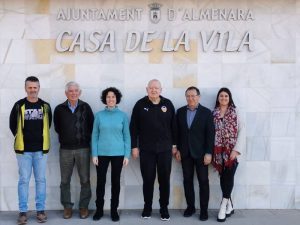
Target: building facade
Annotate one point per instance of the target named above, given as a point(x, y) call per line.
point(249, 46)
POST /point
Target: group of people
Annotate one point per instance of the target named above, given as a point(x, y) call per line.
point(194, 135)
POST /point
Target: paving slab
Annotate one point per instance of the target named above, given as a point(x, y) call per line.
point(133, 217)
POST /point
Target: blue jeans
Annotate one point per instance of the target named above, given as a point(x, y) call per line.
point(27, 161)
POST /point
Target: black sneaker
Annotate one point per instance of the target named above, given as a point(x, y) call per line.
point(114, 215)
point(164, 214)
point(98, 214)
point(146, 214)
point(189, 211)
point(203, 215)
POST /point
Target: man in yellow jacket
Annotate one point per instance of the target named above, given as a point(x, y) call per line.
point(30, 121)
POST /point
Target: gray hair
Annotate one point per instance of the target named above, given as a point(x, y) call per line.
point(72, 83)
point(153, 80)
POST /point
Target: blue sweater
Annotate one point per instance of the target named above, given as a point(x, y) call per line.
point(111, 135)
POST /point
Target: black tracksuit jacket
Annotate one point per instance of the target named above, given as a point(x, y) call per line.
point(153, 127)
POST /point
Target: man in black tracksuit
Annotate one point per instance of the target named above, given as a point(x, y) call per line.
point(153, 137)
point(73, 121)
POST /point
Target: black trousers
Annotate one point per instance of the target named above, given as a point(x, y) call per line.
point(116, 168)
point(188, 166)
point(227, 180)
point(149, 164)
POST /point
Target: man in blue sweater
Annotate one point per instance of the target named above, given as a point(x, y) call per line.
point(153, 138)
point(73, 121)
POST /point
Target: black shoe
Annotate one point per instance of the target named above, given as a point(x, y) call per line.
point(164, 214)
point(114, 215)
point(146, 214)
point(98, 214)
point(189, 211)
point(203, 215)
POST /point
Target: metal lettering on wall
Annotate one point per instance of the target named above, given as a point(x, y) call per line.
point(98, 40)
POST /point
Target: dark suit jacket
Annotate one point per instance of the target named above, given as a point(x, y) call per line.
point(199, 139)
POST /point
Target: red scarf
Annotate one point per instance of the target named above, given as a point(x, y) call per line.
point(226, 129)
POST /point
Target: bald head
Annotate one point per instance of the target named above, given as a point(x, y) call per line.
point(154, 89)
point(154, 82)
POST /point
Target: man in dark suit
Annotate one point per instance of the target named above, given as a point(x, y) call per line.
point(195, 145)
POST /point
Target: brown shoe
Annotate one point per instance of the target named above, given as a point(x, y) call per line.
point(41, 217)
point(67, 213)
point(22, 218)
point(83, 213)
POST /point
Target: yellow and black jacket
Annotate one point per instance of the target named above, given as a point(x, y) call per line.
point(16, 125)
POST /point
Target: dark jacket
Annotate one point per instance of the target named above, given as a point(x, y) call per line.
point(74, 129)
point(199, 139)
point(153, 127)
point(16, 125)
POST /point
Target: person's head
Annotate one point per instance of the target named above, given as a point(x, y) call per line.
point(154, 89)
point(32, 88)
point(72, 91)
point(111, 97)
point(224, 98)
point(192, 95)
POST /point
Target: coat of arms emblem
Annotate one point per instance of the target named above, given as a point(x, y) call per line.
point(155, 12)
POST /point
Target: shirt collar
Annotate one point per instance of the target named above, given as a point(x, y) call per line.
point(69, 104)
point(160, 102)
point(192, 109)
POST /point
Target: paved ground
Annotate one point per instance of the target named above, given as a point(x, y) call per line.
point(132, 217)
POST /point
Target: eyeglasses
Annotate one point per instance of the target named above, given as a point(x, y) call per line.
point(191, 96)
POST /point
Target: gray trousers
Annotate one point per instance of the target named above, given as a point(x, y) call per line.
point(68, 158)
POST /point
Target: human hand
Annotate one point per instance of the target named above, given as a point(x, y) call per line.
point(234, 154)
point(125, 161)
point(95, 161)
point(174, 151)
point(207, 159)
point(135, 153)
point(178, 156)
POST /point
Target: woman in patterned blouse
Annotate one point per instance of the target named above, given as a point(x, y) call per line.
point(228, 145)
